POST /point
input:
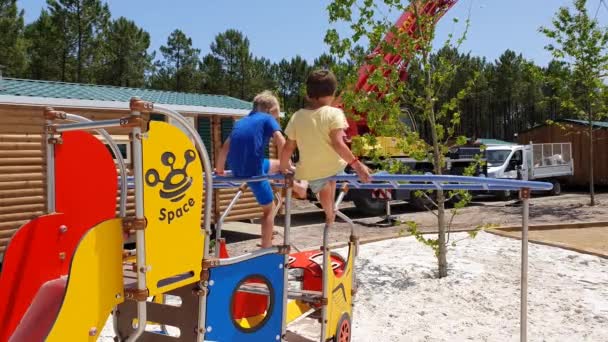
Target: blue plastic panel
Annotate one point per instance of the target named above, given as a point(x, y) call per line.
point(225, 279)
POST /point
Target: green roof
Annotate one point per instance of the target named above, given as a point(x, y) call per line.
point(600, 124)
point(62, 90)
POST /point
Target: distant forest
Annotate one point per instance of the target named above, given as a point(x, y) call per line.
point(79, 41)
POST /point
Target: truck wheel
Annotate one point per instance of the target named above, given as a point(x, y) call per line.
point(557, 188)
point(370, 206)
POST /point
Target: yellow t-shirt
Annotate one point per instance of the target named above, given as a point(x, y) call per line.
point(310, 129)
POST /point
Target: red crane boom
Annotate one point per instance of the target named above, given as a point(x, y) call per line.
point(407, 22)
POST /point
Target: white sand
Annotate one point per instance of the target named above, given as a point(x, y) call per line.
point(399, 298)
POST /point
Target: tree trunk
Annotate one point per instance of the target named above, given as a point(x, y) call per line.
point(591, 156)
point(442, 257)
point(442, 261)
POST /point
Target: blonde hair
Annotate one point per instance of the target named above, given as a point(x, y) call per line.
point(265, 102)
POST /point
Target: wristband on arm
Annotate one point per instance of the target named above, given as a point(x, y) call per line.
point(352, 162)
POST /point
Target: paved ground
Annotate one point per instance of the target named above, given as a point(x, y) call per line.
point(307, 220)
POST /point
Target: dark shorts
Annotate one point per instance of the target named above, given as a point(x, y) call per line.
point(262, 190)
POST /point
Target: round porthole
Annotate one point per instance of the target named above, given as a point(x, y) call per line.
point(252, 302)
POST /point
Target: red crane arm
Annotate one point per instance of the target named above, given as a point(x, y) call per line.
point(407, 22)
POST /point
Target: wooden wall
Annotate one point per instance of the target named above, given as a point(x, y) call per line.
point(23, 167)
point(577, 136)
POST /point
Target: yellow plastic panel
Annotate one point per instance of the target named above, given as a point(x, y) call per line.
point(340, 293)
point(250, 322)
point(295, 309)
point(95, 285)
point(173, 194)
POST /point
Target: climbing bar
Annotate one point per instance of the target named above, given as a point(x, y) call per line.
point(399, 182)
point(404, 182)
point(87, 125)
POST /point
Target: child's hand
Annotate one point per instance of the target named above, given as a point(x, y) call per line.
point(286, 168)
point(362, 171)
point(220, 171)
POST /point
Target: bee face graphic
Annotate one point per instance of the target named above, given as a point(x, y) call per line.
point(177, 181)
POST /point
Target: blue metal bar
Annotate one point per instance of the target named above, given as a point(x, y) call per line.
point(396, 181)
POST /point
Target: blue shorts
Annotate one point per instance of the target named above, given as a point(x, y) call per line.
point(262, 190)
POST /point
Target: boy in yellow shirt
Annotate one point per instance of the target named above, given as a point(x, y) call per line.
point(318, 132)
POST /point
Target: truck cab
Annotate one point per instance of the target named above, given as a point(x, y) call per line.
point(506, 161)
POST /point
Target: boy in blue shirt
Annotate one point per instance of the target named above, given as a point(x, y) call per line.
point(245, 150)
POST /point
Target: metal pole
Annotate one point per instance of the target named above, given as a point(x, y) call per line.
point(139, 235)
point(523, 334)
point(50, 172)
point(326, 269)
point(286, 242)
point(89, 125)
point(288, 196)
point(220, 222)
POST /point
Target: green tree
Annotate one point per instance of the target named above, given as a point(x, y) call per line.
point(81, 23)
point(125, 58)
point(231, 48)
point(382, 101)
point(44, 59)
point(582, 44)
point(12, 43)
point(179, 69)
point(291, 78)
point(555, 89)
point(213, 79)
point(261, 76)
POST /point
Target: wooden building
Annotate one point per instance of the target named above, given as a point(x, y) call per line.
point(22, 149)
point(576, 132)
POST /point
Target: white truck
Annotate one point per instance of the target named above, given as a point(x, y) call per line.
point(549, 162)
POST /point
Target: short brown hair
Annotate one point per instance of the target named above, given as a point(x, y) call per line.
point(321, 83)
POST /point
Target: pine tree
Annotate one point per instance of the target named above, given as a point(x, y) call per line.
point(179, 69)
point(81, 23)
point(44, 56)
point(231, 48)
point(125, 59)
point(12, 43)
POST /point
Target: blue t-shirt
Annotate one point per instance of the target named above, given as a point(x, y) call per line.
point(248, 142)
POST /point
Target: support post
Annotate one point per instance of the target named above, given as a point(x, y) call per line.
point(139, 234)
point(326, 270)
point(289, 179)
point(50, 172)
point(220, 222)
point(525, 197)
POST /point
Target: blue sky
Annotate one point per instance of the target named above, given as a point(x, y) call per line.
point(284, 28)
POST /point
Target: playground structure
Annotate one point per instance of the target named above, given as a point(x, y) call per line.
point(64, 273)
